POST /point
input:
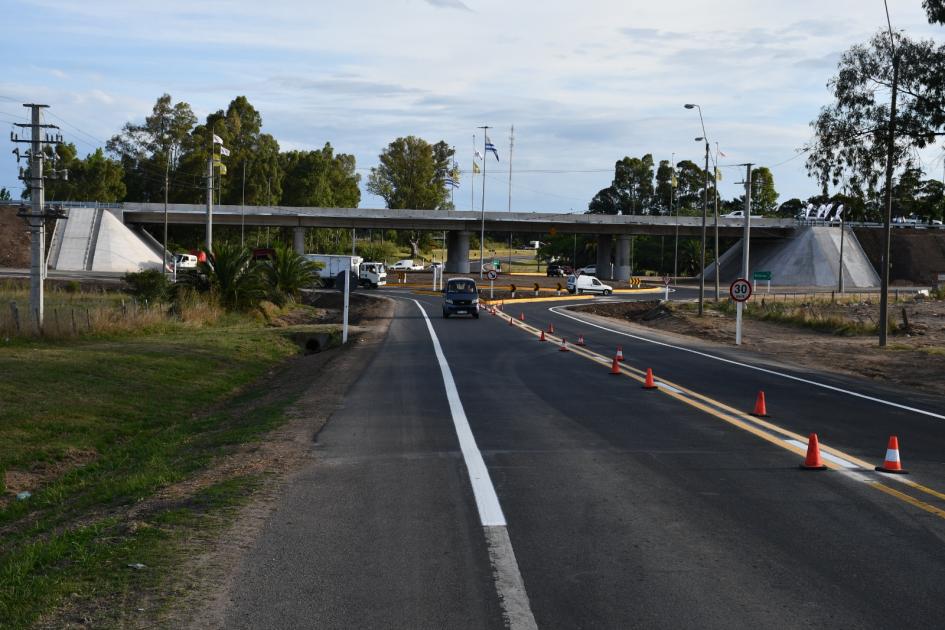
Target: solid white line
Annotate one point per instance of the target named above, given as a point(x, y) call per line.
point(490, 512)
point(931, 414)
point(824, 454)
point(509, 584)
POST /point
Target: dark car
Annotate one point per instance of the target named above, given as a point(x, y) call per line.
point(556, 269)
point(460, 297)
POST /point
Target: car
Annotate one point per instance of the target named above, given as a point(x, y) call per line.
point(185, 261)
point(460, 297)
point(406, 265)
point(739, 214)
point(555, 269)
point(588, 284)
point(590, 270)
point(435, 266)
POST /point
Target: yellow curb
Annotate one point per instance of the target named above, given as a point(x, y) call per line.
point(510, 302)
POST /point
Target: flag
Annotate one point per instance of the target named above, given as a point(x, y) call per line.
point(673, 181)
point(452, 183)
point(491, 147)
point(718, 174)
point(475, 168)
point(224, 151)
point(222, 169)
point(478, 154)
point(720, 152)
point(217, 139)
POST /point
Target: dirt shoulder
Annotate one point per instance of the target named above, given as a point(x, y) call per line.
point(914, 359)
point(201, 597)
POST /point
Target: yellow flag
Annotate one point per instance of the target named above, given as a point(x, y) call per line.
point(475, 168)
point(673, 181)
point(718, 174)
point(223, 169)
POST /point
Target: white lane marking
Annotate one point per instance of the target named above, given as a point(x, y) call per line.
point(881, 401)
point(663, 385)
point(490, 512)
point(824, 455)
point(509, 584)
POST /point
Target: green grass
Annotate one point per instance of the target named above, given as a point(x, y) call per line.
point(138, 412)
point(814, 316)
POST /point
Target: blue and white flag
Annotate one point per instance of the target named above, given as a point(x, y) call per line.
point(491, 147)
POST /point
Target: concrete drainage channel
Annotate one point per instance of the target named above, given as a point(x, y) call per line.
point(313, 343)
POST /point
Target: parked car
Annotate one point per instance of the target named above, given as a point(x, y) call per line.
point(434, 265)
point(555, 269)
point(460, 297)
point(406, 265)
point(590, 270)
point(588, 284)
point(740, 214)
point(185, 261)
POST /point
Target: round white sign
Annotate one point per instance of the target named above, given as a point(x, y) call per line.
point(740, 290)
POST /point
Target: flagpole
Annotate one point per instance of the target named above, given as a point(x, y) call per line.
point(511, 145)
point(672, 199)
point(472, 183)
point(716, 221)
point(482, 214)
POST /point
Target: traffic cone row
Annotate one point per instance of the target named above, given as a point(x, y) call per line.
point(580, 340)
point(620, 353)
point(551, 329)
point(542, 336)
point(564, 345)
point(892, 463)
point(521, 316)
point(812, 461)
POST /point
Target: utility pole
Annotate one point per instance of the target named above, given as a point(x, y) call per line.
point(715, 189)
point(887, 228)
point(511, 146)
point(705, 202)
point(482, 214)
point(746, 239)
point(672, 201)
point(37, 214)
point(840, 278)
point(242, 207)
point(210, 201)
point(167, 170)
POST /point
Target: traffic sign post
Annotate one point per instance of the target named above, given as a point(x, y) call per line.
point(762, 275)
point(666, 283)
point(740, 292)
point(492, 276)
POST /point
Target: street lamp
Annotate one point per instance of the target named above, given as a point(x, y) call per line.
point(705, 203)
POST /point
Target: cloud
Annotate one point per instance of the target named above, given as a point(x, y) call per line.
point(449, 4)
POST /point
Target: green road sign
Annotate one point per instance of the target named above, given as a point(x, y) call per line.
point(761, 275)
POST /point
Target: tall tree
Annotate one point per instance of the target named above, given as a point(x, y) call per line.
point(95, 178)
point(852, 134)
point(320, 179)
point(412, 174)
point(147, 151)
point(664, 187)
point(935, 10)
point(690, 183)
point(5, 195)
point(764, 196)
point(630, 192)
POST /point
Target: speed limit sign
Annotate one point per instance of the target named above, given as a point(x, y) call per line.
point(740, 290)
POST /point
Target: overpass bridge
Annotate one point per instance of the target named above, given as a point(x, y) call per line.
point(459, 225)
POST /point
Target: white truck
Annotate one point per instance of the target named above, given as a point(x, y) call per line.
point(369, 274)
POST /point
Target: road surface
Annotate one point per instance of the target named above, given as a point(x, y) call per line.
point(595, 503)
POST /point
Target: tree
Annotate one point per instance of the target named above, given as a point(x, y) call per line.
point(630, 192)
point(148, 151)
point(320, 179)
point(790, 208)
point(5, 195)
point(852, 134)
point(95, 178)
point(287, 274)
point(935, 10)
point(764, 197)
point(412, 175)
point(664, 187)
point(607, 201)
point(690, 184)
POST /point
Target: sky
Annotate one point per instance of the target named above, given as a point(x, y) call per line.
point(584, 83)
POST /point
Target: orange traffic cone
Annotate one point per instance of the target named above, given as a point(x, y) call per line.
point(542, 337)
point(564, 345)
point(551, 329)
point(892, 463)
point(648, 383)
point(521, 316)
point(580, 340)
point(760, 409)
point(620, 353)
point(812, 462)
point(615, 367)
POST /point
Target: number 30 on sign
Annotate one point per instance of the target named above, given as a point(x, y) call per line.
point(740, 290)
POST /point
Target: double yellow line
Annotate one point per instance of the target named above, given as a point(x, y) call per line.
point(835, 459)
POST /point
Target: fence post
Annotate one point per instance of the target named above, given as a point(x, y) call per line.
point(16, 315)
point(75, 329)
point(88, 318)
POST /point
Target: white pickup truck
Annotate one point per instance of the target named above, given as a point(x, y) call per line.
point(406, 265)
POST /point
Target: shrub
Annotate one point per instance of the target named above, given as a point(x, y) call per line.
point(287, 273)
point(149, 285)
point(230, 274)
point(378, 251)
point(73, 286)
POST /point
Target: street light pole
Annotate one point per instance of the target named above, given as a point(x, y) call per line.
point(705, 204)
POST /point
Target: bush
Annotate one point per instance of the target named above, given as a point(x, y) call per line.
point(73, 286)
point(149, 286)
point(378, 251)
point(287, 274)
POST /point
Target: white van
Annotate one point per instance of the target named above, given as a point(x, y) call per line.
point(588, 284)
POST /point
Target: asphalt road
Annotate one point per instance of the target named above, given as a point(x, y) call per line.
point(623, 507)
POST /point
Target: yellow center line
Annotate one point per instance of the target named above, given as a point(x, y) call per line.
point(747, 422)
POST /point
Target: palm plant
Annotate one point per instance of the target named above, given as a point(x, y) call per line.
point(288, 273)
point(234, 276)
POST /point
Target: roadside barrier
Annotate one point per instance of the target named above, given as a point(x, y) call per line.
point(649, 383)
point(812, 461)
point(761, 411)
point(892, 463)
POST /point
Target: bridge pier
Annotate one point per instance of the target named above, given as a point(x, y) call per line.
point(457, 252)
point(298, 240)
point(622, 270)
point(604, 246)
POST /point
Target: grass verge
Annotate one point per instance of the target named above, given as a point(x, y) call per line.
point(93, 429)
